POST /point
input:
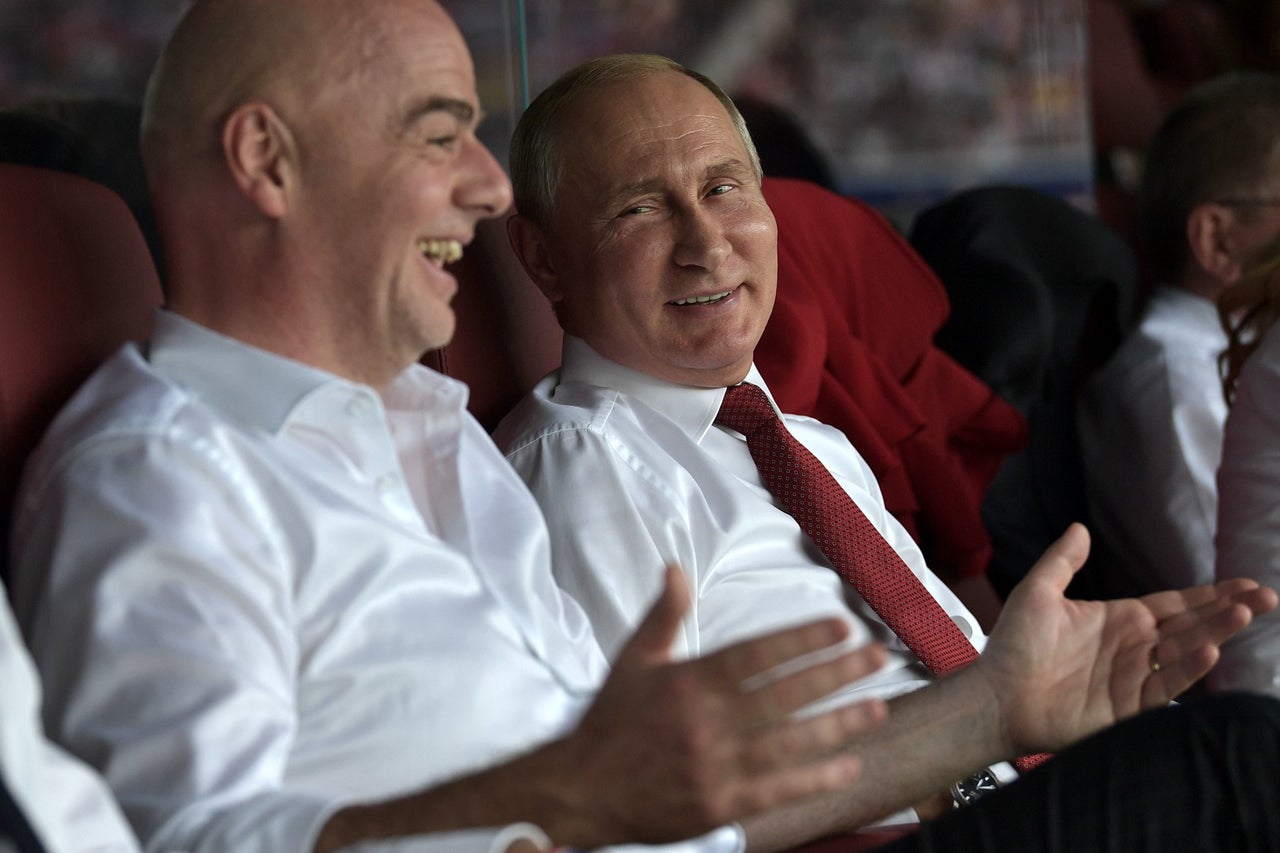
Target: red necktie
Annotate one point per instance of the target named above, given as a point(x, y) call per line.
point(860, 555)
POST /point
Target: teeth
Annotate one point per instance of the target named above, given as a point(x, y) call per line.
point(443, 251)
point(701, 300)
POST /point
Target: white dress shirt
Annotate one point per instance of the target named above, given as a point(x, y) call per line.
point(66, 803)
point(271, 592)
point(632, 475)
point(1150, 426)
point(1249, 517)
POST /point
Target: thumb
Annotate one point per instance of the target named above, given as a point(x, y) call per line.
point(1061, 560)
point(650, 644)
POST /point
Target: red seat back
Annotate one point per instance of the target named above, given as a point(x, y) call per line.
point(76, 281)
point(507, 337)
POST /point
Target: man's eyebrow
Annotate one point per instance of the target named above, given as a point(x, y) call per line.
point(635, 188)
point(456, 107)
point(732, 167)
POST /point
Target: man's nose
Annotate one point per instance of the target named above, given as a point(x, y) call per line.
point(702, 241)
point(485, 187)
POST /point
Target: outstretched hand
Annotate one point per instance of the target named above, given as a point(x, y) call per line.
point(1060, 669)
point(672, 750)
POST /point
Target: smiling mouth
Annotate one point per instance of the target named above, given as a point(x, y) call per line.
point(701, 300)
point(440, 252)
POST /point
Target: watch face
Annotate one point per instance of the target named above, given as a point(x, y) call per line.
point(967, 790)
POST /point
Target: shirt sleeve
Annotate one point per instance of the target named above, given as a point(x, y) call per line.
point(161, 622)
point(612, 531)
point(1151, 441)
point(1249, 519)
point(1198, 413)
point(66, 803)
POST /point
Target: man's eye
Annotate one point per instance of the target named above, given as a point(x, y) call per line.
point(638, 209)
point(720, 189)
point(442, 141)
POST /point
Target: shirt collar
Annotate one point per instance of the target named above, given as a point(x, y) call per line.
point(260, 388)
point(693, 409)
point(1203, 311)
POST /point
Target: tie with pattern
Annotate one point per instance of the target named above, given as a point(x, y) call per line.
point(853, 545)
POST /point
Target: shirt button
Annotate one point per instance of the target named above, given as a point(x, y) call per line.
point(385, 483)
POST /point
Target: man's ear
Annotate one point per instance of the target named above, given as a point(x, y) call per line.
point(257, 146)
point(531, 247)
point(1211, 237)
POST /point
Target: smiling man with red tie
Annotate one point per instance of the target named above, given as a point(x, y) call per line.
point(641, 218)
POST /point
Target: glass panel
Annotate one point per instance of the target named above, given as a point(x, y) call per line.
point(906, 100)
point(494, 31)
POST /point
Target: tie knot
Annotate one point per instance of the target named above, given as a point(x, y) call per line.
point(745, 408)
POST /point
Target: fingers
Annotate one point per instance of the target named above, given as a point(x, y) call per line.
point(1061, 560)
point(1172, 602)
point(797, 783)
point(1259, 600)
point(815, 734)
point(706, 749)
point(526, 845)
point(748, 659)
point(1214, 621)
point(652, 639)
point(790, 751)
point(1207, 627)
point(1175, 676)
point(1188, 642)
point(787, 688)
point(777, 674)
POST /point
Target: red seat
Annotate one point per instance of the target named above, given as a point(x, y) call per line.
point(507, 337)
point(76, 281)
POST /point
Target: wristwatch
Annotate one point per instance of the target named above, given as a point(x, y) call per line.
point(974, 787)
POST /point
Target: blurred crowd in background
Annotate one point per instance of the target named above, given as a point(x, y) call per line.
point(899, 102)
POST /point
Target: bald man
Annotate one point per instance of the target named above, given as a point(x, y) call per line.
point(283, 591)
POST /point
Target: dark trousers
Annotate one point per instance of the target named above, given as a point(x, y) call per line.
point(1204, 776)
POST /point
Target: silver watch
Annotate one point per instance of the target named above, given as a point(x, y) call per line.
point(974, 787)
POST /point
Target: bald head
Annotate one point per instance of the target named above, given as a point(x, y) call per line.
point(315, 170)
point(292, 54)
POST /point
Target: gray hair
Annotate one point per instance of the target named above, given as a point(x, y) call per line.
point(535, 159)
